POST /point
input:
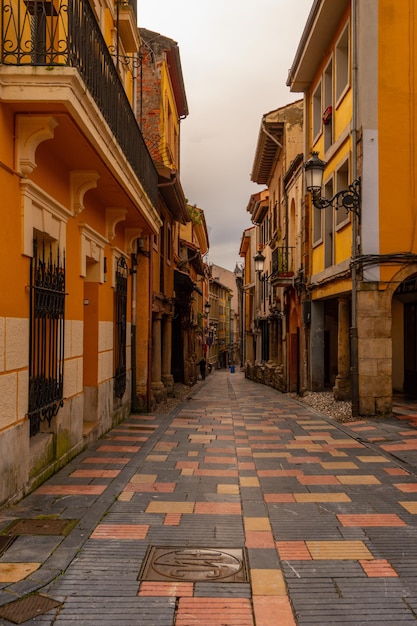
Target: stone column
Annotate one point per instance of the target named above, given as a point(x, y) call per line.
point(374, 351)
point(342, 388)
point(157, 385)
point(166, 375)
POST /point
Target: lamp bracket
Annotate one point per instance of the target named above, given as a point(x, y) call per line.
point(265, 277)
point(349, 199)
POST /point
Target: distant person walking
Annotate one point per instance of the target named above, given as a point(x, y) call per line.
point(202, 365)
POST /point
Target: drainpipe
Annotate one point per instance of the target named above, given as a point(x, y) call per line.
point(133, 405)
point(354, 330)
point(307, 262)
point(150, 290)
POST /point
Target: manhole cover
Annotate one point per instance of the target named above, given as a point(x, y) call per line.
point(5, 542)
point(22, 610)
point(194, 565)
point(42, 526)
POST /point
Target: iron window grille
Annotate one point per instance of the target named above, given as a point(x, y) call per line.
point(120, 328)
point(46, 336)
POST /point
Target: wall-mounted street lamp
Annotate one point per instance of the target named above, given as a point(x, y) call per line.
point(349, 198)
point(259, 262)
point(207, 308)
point(259, 267)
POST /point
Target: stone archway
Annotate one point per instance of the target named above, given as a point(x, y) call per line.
point(404, 336)
point(378, 342)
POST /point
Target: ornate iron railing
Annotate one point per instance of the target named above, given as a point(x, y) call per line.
point(46, 339)
point(120, 328)
point(66, 33)
point(282, 262)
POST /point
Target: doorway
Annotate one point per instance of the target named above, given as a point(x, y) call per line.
point(410, 348)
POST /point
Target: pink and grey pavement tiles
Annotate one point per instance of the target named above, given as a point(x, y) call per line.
point(241, 507)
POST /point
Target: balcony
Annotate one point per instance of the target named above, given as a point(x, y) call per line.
point(283, 266)
point(41, 33)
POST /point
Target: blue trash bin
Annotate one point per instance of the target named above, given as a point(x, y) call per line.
point(232, 369)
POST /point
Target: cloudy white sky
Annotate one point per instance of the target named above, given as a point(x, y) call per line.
point(235, 57)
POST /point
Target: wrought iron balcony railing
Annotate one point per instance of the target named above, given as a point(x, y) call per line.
point(282, 262)
point(66, 33)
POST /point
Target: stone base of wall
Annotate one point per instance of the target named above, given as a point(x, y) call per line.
point(159, 393)
point(26, 462)
point(342, 388)
point(267, 374)
point(168, 381)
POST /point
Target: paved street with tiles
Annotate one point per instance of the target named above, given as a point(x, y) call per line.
point(241, 507)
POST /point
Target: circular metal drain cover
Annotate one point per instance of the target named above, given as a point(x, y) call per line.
point(195, 565)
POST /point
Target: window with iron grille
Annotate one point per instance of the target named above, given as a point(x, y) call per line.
point(46, 338)
point(120, 328)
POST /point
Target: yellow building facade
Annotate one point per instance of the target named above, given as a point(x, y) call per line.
point(192, 297)
point(276, 213)
point(248, 249)
point(78, 190)
point(356, 65)
point(162, 105)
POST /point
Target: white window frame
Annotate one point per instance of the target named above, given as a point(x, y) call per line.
point(342, 64)
point(317, 112)
point(328, 100)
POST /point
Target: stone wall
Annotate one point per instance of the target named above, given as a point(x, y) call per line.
point(268, 374)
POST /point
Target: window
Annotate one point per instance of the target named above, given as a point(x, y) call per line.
point(170, 139)
point(317, 112)
point(317, 234)
point(46, 338)
point(328, 227)
point(162, 258)
point(342, 63)
point(342, 182)
point(327, 115)
point(169, 243)
point(275, 213)
point(264, 231)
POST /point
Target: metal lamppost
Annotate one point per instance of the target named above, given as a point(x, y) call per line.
point(349, 199)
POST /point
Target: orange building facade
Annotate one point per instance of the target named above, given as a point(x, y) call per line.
point(79, 189)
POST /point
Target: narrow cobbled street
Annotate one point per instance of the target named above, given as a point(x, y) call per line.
point(241, 507)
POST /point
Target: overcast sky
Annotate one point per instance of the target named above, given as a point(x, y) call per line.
point(235, 56)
